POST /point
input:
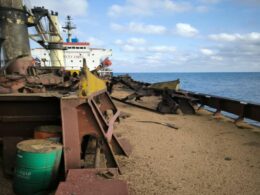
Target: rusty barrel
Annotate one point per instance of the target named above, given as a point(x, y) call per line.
point(50, 132)
point(37, 164)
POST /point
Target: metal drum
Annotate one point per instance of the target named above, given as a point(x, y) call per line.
point(37, 165)
point(51, 132)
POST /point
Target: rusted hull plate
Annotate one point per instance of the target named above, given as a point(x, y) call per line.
point(91, 182)
point(20, 114)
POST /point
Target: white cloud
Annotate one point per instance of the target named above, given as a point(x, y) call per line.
point(136, 41)
point(155, 58)
point(186, 30)
point(119, 42)
point(176, 6)
point(95, 42)
point(225, 37)
point(148, 49)
point(132, 44)
point(128, 48)
point(162, 48)
point(211, 54)
point(148, 7)
point(132, 7)
point(206, 51)
point(115, 10)
point(64, 7)
point(139, 28)
point(254, 36)
point(131, 48)
point(236, 48)
point(227, 57)
point(217, 58)
point(139, 44)
point(210, 1)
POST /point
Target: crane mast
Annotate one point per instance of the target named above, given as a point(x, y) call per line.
point(48, 35)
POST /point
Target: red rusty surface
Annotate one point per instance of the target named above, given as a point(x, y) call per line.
point(70, 133)
point(101, 106)
point(20, 65)
point(33, 79)
point(89, 174)
point(21, 114)
point(85, 181)
point(45, 79)
point(11, 86)
point(80, 118)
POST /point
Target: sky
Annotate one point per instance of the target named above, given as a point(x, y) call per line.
point(168, 35)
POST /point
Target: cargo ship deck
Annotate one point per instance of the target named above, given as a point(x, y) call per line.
point(205, 155)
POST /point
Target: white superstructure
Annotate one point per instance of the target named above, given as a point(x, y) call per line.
point(70, 54)
point(74, 52)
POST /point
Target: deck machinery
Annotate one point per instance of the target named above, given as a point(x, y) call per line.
point(32, 96)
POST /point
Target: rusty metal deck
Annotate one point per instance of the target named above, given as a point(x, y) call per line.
point(92, 182)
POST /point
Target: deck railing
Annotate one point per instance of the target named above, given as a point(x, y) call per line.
point(242, 109)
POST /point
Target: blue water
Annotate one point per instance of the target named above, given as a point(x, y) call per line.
point(241, 86)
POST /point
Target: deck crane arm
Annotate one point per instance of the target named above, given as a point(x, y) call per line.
point(37, 17)
point(47, 33)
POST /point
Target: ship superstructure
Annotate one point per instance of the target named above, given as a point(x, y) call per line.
point(75, 52)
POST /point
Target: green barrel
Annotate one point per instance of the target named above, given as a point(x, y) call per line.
point(37, 165)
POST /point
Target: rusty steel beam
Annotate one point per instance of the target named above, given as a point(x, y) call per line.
point(88, 117)
point(136, 105)
point(28, 118)
point(240, 108)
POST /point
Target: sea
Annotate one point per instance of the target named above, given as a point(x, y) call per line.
point(236, 85)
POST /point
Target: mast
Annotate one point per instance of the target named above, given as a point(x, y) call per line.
point(69, 26)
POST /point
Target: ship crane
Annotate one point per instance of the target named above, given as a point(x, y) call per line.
point(47, 33)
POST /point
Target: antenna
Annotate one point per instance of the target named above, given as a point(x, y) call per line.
point(69, 26)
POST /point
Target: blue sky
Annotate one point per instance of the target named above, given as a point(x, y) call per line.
point(169, 35)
